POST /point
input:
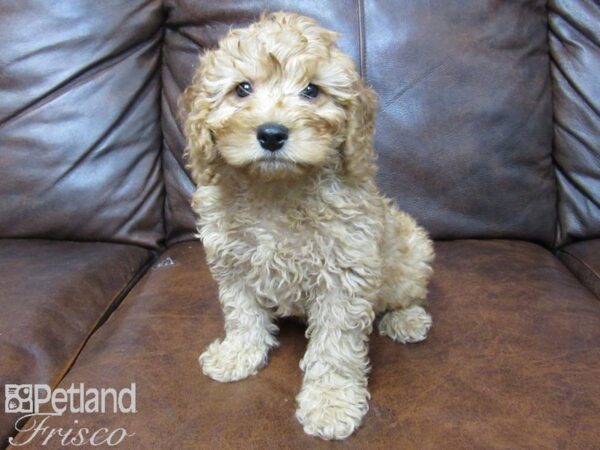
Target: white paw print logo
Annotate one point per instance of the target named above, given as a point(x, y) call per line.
point(18, 398)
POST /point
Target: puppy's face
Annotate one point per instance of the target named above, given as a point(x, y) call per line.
point(274, 99)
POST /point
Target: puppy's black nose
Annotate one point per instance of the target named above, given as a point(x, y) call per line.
point(272, 136)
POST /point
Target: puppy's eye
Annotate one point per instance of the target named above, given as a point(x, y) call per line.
point(310, 91)
point(244, 89)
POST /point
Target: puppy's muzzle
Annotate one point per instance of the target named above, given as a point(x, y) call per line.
point(272, 136)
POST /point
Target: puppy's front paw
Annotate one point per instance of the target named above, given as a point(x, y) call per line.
point(332, 406)
point(233, 359)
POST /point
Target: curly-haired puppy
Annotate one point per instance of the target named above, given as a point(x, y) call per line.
point(280, 142)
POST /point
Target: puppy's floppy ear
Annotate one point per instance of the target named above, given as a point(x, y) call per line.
point(358, 152)
point(200, 150)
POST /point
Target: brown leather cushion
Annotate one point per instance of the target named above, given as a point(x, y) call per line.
point(512, 361)
point(80, 138)
point(464, 129)
point(583, 258)
point(52, 295)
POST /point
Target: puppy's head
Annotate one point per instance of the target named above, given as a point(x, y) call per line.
point(278, 99)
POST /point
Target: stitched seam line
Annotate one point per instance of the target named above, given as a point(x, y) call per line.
point(165, 193)
point(361, 39)
point(558, 225)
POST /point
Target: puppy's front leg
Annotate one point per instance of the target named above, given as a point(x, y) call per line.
point(334, 396)
point(249, 335)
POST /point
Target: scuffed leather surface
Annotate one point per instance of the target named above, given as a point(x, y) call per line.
point(575, 51)
point(512, 361)
point(52, 295)
point(465, 119)
point(80, 120)
point(583, 258)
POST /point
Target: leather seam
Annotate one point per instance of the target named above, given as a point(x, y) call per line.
point(165, 194)
point(581, 263)
point(108, 311)
point(78, 79)
point(361, 39)
point(557, 219)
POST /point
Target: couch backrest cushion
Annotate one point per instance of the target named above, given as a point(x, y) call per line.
point(575, 51)
point(465, 120)
point(79, 120)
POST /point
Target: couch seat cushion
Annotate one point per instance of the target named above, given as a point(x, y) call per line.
point(583, 258)
point(52, 296)
point(512, 361)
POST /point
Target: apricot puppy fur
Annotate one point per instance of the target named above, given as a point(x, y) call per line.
point(279, 128)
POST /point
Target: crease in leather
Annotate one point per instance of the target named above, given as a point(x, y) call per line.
point(582, 262)
point(578, 138)
point(581, 187)
point(179, 163)
point(167, 122)
point(585, 266)
point(411, 84)
point(160, 162)
point(104, 316)
point(570, 20)
point(577, 89)
point(172, 75)
point(517, 134)
point(180, 31)
point(179, 192)
point(142, 92)
point(362, 43)
point(173, 118)
point(149, 191)
point(87, 74)
point(429, 71)
point(207, 21)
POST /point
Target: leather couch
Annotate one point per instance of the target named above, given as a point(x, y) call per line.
point(488, 132)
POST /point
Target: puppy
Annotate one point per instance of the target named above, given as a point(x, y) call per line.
point(279, 128)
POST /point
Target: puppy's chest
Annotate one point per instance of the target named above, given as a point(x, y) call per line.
point(286, 251)
point(280, 250)
point(283, 238)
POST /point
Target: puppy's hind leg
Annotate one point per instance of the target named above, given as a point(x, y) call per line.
point(249, 335)
point(406, 274)
point(406, 325)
